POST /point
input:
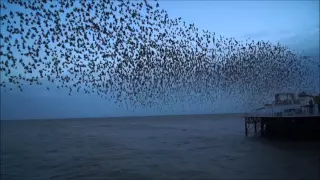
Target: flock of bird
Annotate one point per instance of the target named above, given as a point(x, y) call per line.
point(133, 52)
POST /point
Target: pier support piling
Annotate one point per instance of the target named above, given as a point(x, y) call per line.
point(246, 126)
point(255, 126)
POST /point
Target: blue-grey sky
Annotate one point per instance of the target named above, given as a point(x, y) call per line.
point(292, 23)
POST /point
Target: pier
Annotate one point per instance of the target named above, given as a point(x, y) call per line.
point(289, 116)
point(298, 127)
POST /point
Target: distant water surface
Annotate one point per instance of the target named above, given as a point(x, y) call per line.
point(168, 147)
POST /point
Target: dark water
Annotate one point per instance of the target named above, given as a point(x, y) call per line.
point(206, 147)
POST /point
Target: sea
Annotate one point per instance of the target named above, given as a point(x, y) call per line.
point(161, 147)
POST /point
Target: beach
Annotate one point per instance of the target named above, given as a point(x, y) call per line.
point(163, 147)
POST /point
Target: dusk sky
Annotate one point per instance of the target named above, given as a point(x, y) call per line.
point(292, 23)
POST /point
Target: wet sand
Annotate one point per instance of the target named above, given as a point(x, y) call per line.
point(164, 147)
